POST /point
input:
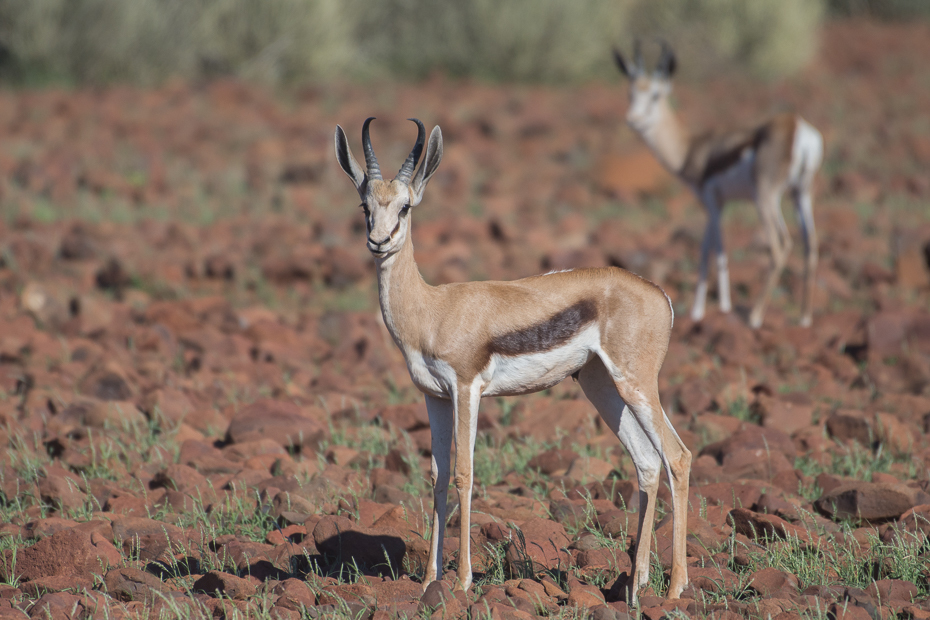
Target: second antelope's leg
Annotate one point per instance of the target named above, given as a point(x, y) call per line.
point(805, 210)
point(723, 273)
point(768, 202)
point(466, 427)
point(712, 240)
point(441, 420)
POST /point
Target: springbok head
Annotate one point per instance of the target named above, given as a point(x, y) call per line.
point(648, 92)
point(387, 203)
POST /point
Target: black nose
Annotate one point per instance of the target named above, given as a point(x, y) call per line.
point(379, 243)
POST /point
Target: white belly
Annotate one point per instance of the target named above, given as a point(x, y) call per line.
point(736, 182)
point(524, 374)
point(508, 375)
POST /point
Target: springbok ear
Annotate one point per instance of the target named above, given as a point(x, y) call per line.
point(349, 165)
point(621, 64)
point(427, 167)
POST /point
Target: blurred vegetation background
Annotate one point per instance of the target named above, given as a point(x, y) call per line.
point(284, 42)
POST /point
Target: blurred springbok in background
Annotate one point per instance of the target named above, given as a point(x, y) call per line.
point(757, 164)
point(607, 327)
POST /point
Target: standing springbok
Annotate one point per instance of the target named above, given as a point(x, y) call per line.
point(756, 164)
point(606, 327)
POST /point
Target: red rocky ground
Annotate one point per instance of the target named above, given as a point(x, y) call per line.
point(202, 413)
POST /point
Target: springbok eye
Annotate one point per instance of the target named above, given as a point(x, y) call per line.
point(405, 208)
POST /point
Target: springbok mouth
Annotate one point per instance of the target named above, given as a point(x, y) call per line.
point(377, 253)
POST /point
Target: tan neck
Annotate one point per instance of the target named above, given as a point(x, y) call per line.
point(402, 293)
point(668, 139)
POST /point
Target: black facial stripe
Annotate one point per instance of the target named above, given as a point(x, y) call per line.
point(548, 334)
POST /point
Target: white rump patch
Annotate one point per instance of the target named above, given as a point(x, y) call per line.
point(806, 154)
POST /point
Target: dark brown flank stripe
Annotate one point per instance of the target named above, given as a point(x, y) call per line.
point(548, 334)
point(711, 155)
point(719, 156)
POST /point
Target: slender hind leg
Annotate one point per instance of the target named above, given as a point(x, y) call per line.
point(441, 419)
point(768, 203)
point(805, 209)
point(654, 425)
point(601, 390)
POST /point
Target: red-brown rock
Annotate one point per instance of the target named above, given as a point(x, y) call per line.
point(868, 501)
point(278, 420)
point(541, 547)
point(218, 583)
point(74, 552)
point(373, 548)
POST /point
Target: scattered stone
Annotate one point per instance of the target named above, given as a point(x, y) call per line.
point(761, 527)
point(552, 461)
point(132, 584)
point(438, 596)
point(893, 592)
point(280, 421)
point(374, 548)
point(218, 583)
point(867, 501)
point(770, 582)
point(74, 552)
point(764, 440)
point(540, 546)
point(847, 427)
point(294, 594)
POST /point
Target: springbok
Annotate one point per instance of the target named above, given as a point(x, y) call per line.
point(756, 164)
point(606, 327)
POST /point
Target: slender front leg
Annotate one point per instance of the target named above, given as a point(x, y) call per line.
point(700, 294)
point(466, 428)
point(712, 240)
point(723, 273)
point(441, 420)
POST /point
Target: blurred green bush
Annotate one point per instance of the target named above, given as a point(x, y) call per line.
point(147, 41)
point(300, 41)
point(768, 38)
point(520, 40)
point(883, 9)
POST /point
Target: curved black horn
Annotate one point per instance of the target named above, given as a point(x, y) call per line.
point(666, 64)
point(638, 56)
point(374, 172)
point(406, 171)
